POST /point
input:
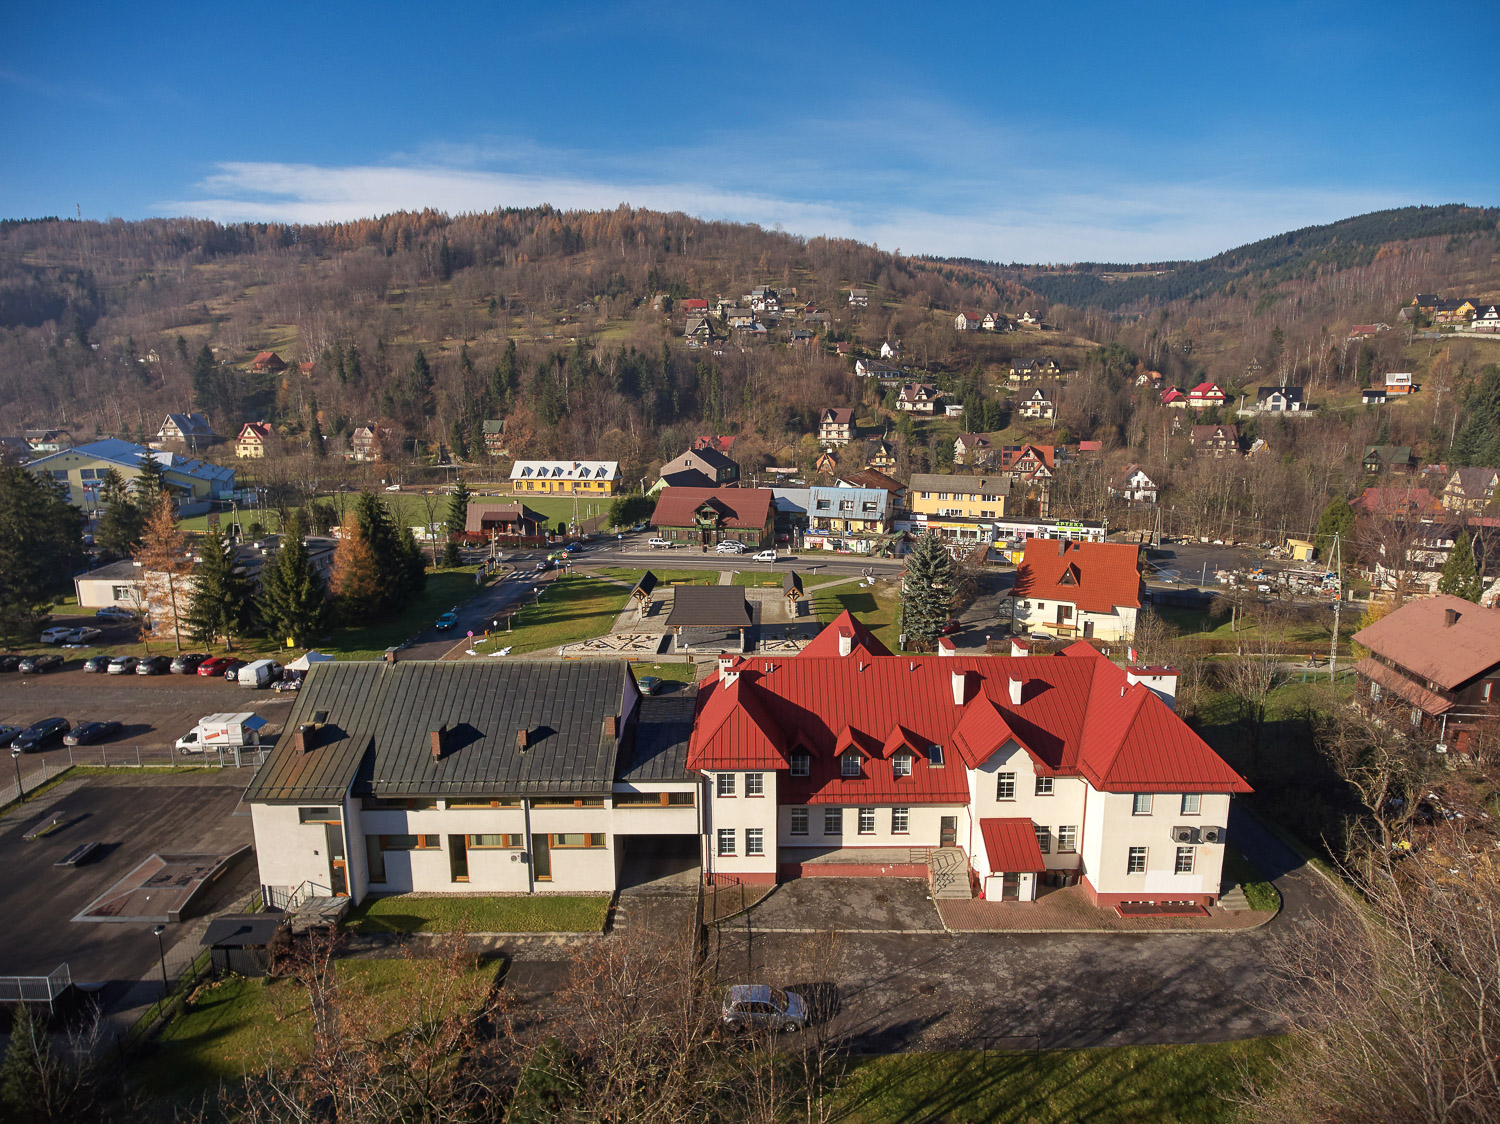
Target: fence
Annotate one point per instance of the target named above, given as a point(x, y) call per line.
point(127, 757)
point(36, 989)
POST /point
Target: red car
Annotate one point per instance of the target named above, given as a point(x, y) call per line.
point(214, 666)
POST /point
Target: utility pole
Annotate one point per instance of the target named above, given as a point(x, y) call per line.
point(1333, 648)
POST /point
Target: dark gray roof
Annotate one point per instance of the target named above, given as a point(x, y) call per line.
point(661, 740)
point(712, 606)
point(1291, 393)
point(378, 720)
point(242, 930)
point(689, 478)
point(644, 587)
point(113, 572)
point(791, 581)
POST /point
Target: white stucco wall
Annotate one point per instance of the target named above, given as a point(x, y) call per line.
point(1113, 829)
point(739, 812)
point(288, 852)
point(1064, 807)
point(925, 828)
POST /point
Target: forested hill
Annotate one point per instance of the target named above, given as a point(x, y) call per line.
point(1295, 255)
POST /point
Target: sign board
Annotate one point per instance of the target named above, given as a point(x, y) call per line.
point(213, 519)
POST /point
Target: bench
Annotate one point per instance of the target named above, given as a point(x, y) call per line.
point(78, 855)
point(52, 822)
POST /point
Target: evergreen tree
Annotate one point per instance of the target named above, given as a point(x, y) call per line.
point(419, 384)
point(315, 428)
point(356, 372)
point(41, 545)
point(1337, 518)
point(205, 369)
point(150, 483)
point(120, 518)
point(458, 509)
point(399, 563)
point(445, 260)
point(356, 574)
point(293, 602)
point(926, 590)
point(1460, 575)
point(23, 1089)
point(223, 598)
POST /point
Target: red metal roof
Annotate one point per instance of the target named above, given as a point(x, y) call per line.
point(1095, 576)
point(1011, 846)
point(826, 643)
point(738, 507)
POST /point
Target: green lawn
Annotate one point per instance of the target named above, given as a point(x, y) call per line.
point(1238, 867)
point(480, 914)
point(445, 589)
point(1315, 634)
point(666, 577)
point(572, 608)
point(875, 608)
point(677, 672)
point(236, 1025)
point(758, 576)
point(1119, 1085)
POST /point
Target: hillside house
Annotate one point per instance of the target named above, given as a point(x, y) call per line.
point(1453, 310)
point(1470, 490)
point(1037, 406)
point(1031, 317)
point(1204, 395)
point(495, 444)
point(43, 441)
point(871, 369)
point(371, 443)
point(1394, 459)
point(1373, 396)
point(1175, 397)
point(1486, 318)
point(880, 453)
point(973, 449)
point(994, 322)
point(1215, 440)
point(193, 431)
point(889, 350)
point(1399, 382)
point(267, 363)
point(919, 398)
point(1078, 589)
point(707, 516)
point(1279, 400)
point(697, 331)
point(849, 511)
point(1034, 370)
point(859, 298)
point(700, 468)
point(594, 478)
point(836, 426)
point(1133, 485)
point(253, 439)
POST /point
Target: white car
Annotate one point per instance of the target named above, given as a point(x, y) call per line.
point(114, 613)
point(84, 635)
point(56, 635)
point(766, 556)
point(659, 544)
point(730, 546)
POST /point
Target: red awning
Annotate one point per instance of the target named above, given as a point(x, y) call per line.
point(1011, 846)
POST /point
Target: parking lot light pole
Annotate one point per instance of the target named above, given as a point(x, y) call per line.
point(161, 955)
point(15, 755)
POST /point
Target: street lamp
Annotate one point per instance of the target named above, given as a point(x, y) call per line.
point(161, 955)
point(15, 755)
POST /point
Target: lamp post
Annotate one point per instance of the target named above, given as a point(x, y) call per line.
point(15, 755)
point(161, 955)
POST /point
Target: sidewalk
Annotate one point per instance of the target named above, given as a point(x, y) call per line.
point(1069, 910)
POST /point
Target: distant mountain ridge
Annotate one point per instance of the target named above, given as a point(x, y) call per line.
point(1283, 257)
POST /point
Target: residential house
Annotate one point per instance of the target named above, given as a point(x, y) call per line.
point(719, 443)
point(488, 519)
point(1279, 400)
point(494, 438)
point(1470, 490)
point(14, 450)
point(1175, 397)
point(1399, 382)
point(874, 478)
point(953, 410)
point(42, 441)
point(764, 300)
point(1486, 318)
point(1030, 317)
point(842, 511)
point(1406, 504)
point(1365, 331)
point(707, 516)
point(697, 331)
point(307, 368)
point(1032, 467)
point(1078, 589)
point(880, 453)
point(958, 506)
point(1152, 379)
point(858, 298)
point(1215, 440)
point(1037, 405)
point(1453, 310)
point(889, 350)
point(827, 464)
point(594, 478)
point(1389, 458)
point(190, 430)
point(371, 443)
point(836, 426)
point(700, 468)
point(800, 337)
point(1373, 396)
point(1012, 765)
point(740, 318)
point(994, 322)
point(253, 439)
point(966, 323)
point(972, 449)
point(1437, 659)
point(81, 471)
point(919, 398)
point(1133, 485)
point(1204, 395)
point(1426, 302)
point(1411, 561)
point(1034, 370)
point(694, 306)
point(267, 362)
point(870, 369)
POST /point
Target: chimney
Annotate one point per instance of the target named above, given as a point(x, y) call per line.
point(846, 642)
point(611, 725)
point(304, 738)
point(390, 655)
point(1062, 547)
point(523, 739)
point(1016, 687)
point(726, 661)
point(435, 737)
point(729, 678)
point(1450, 618)
point(960, 688)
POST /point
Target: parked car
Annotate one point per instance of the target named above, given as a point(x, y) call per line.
point(214, 665)
point(40, 665)
point(446, 621)
point(96, 664)
point(730, 546)
point(39, 735)
point(766, 556)
point(87, 733)
point(188, 662)
point(9, 734)
point(756, 1005)
point(123, 665)
point(56, 635)
point(114, 613)
point(85, 635)
point(659, 544)
point(232, 670)
point(952, 625)
point(10, 661)
point(153, 665)
point(649, 684)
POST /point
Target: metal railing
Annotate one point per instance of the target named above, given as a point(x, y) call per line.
point(278, 897)
point(129, 757)
point(36, 989)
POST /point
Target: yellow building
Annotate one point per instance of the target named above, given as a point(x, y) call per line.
point(965, 497)
point(588, 478)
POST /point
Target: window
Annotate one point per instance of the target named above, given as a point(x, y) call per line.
point(1184, 861)
point(726, 842)
point(726, 784)
point(900, 821)
point(382, 803)
point(833, 821)
point(798, 818)
point(1142, 805)
point(1005, 786)
point(1136, 862)
point(120, 592)
point(755, 841)
point(867, 821)
point(375, 856)
point(578, 839)
point(564, 802)
point(484, 802)
point(1044, 786)
point(901, 765)
point(409, 843)
point(1043, 838)
point(935, 757)
point(318, 815)
point(1191, 802)
point(849, 765)
point(508, 842)
point(755, 784)
point(654, 799)
point(801, 763)
point(1067, 840)
point(1485, 695)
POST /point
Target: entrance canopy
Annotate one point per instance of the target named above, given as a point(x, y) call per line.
point(1011, 846)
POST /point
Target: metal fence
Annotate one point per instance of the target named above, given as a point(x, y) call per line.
point(128, 757)
point(36, 989)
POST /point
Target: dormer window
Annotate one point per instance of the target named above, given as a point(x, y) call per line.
point(849, 765)
point(801, 763)
point(935, 756)
point(901, 765)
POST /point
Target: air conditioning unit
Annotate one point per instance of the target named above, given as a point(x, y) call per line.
point(519, 857)
point(1184, 835)
point(1213, 834)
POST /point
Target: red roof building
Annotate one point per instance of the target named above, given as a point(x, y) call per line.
point(1078, 589)
point(1205, 394)
point(848, 749)
point(707, 516)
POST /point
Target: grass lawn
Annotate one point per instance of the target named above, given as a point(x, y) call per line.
point(1156, 1084)
point(481, 914)
point(236, 1025)
point(445, 589)
point(1314, 633)
point(1261, 893)
point(572, 608)
point(665, 577)
point(875, 608)
point(758, 576)
point(677, 672)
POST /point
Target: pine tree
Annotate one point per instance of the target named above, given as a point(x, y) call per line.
point(356, 372)
point(315, 428)
point(41, 545)
point(1337, 518)
point(926, 590)
point(458, 509)
point(120, 518)
point(293, 602)
point(223, 598)
point(150, 483)
point(398, 559)
point(23, 1093)
point(165, 563)
point(1460, 575)
point(356, 574)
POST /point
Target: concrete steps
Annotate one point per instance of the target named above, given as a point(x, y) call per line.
point(949, 872)
point(1234, 898)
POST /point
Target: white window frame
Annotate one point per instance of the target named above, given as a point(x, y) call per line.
point(866, 821)
point(801, 763)
point(849, 764)
point(1067, 839)
point(1184, 867)
point(1192, 804)
point(797, 821)
point(1044, 786)
point(724, 787)
point(755, 784)
point(1135, 860)
point(901, 765)
point(1140, 804)
point(1043, 838)
point(726, 842)
point(755, 841)
point(1005, 786)
point(935, 756)
point(833, 818)
point(900, 821)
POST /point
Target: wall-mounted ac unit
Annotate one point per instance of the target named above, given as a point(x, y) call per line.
point(1184, 834)
point(1212, 834)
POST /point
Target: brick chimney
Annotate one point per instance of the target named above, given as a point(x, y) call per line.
point(523, 739)
point(1450, 618)
point(611, 725)
point(304, 738)
point(1062, 547)
point(436, 739)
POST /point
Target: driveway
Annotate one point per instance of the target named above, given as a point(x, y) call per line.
point(868, 904)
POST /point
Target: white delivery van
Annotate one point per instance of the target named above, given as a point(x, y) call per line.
point(219, 731)
point(261, 673)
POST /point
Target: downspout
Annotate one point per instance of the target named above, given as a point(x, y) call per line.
point(530, 848)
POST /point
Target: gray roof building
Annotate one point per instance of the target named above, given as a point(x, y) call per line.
point(658, 749)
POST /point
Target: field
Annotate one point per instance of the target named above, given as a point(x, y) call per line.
point(665, 577)
point(480, 914)
point(875, 608)
point(571, 609)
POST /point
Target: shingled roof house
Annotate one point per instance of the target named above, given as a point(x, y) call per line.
point(707, 516)
point(1087, 589)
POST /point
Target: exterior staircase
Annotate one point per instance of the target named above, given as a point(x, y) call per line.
point(1234, 898)
point(948, 871)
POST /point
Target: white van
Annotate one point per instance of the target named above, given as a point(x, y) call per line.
point(766, 556)
point(261, 673)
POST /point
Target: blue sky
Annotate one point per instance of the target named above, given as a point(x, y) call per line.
point(1037, 132)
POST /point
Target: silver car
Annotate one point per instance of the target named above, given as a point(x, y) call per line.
point(757, 1005)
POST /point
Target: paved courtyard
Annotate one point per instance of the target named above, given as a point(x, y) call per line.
point(848, 904)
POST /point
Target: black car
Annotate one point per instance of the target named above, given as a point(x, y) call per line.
point(649, 685)
point(187, 663)
point(40, 665)
point(87, 733)
point(41, 734)
point(232, 670)
point(153, 665)
point(8, 734)
point(10, 661)
point(97, 664)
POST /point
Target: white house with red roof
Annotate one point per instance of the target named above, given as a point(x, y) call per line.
point(1204, 395)
point(1078, 589)
point(848, 760)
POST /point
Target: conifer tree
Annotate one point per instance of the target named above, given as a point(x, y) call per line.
point(41, 545)
point(120, 518)
point(1460, 575)
point(356, 574)
point(166, 564)
point(293, 601)
point(150, 483)
point(458, 509)
point(926, 590)
point(223, 598)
